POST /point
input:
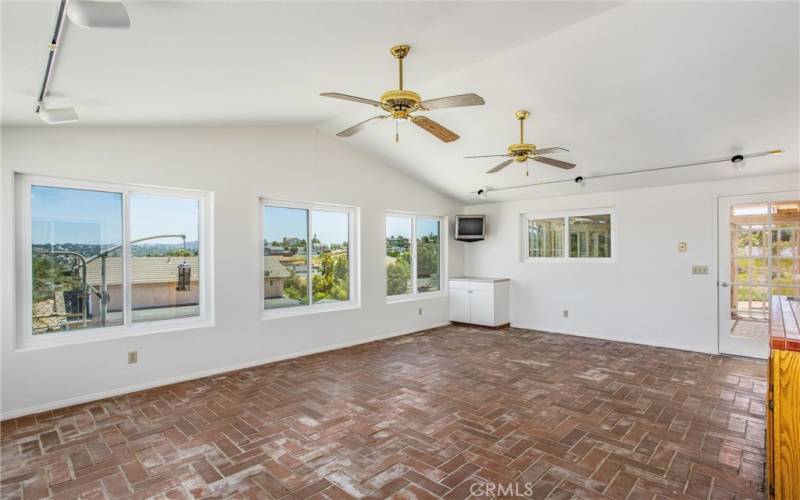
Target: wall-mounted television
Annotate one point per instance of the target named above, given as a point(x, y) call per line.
point(470, 227)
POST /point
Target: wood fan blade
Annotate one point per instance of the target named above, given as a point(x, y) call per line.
point(501, 166)
point(453, 101)
point(555, 163)
point(346, 97)
point(547, 151)
point(487, 156)
point(436, 129)
point(358, 127)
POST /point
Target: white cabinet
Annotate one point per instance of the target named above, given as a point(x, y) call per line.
point(479, 301)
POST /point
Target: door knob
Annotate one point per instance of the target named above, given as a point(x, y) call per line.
point(724, 284)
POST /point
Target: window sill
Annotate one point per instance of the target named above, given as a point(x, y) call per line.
point(399, 299)
point(110, 333)
point(291, 312)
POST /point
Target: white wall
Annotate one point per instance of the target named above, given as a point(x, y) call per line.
point(648, 295)
point(238, 165)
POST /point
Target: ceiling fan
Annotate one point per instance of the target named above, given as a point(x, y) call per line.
point(522, 152)
point(400, 103)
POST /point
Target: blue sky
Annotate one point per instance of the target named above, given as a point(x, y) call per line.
point(155, 215)
point(401, 226)
point(62, 215)
point(279, 222)
point(76, 216)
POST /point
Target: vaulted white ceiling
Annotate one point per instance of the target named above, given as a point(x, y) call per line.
point(623, 86)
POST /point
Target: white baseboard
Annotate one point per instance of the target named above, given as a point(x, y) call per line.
point(30, 410)
point(612, 338)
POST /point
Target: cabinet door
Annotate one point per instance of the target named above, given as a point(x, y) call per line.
point(481, 307)
point(459, 305)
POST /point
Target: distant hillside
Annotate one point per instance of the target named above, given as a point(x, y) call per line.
point(137, 250)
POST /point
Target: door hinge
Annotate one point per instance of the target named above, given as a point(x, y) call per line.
point(771, 404)
point(771, 490)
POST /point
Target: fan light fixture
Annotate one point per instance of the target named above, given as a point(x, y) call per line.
point(95, 14)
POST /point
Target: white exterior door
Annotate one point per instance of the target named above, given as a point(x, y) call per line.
point(459, 305)
point(758, 247)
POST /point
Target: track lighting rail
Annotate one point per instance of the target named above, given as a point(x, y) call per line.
point(735, 159)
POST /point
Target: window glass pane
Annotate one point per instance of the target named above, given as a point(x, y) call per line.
point(590, 236)
point(398, 255)
point(164, 257)
point(71, 230)
point(330, 256)
point(428, 254)
point(285, 257)
point(546, 237)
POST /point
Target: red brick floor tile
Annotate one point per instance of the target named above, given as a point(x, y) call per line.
point(422, 416)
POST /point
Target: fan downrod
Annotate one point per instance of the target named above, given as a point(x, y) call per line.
point(521, 150)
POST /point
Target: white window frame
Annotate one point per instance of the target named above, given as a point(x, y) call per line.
point(24, 255)
point(353, 248)
point(443, 240)
point(565, 215)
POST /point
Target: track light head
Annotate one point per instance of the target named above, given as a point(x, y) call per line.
point(482, 192)
point(56, 116)
point(580, 181)
point(97, 14)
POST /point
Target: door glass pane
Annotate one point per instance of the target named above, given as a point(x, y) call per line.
point(786, 214)
point(73, 231)
point(330, 256)
point(786, 243)
point(285, 257)
point(546, 237)
point(590, 236)
point(428, 254)
point(398, 255)
point(165, 257)
point(751, 302)
point(785, 272)
point(741, 243)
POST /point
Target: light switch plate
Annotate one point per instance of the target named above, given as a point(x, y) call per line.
point(682, 246)
point(699, 269)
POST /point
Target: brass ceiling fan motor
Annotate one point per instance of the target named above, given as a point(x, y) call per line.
point(401, 103)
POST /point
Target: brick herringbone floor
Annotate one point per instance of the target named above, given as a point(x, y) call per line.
point(422, 416)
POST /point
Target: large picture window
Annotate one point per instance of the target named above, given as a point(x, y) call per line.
point(309, 257)
point(570, 236)
point(413, 255)
point(101, 258)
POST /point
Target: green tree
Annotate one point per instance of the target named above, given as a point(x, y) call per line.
point(428, 256)
point(50, 271)
point(333, 280)
point(398, 274)
point(295, 287)
point(181, 252)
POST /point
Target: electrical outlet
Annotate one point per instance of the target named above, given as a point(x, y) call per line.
point(566, 313)
point(133, 357)
point(682, 246)
point(420, 311)
point(699, 269)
